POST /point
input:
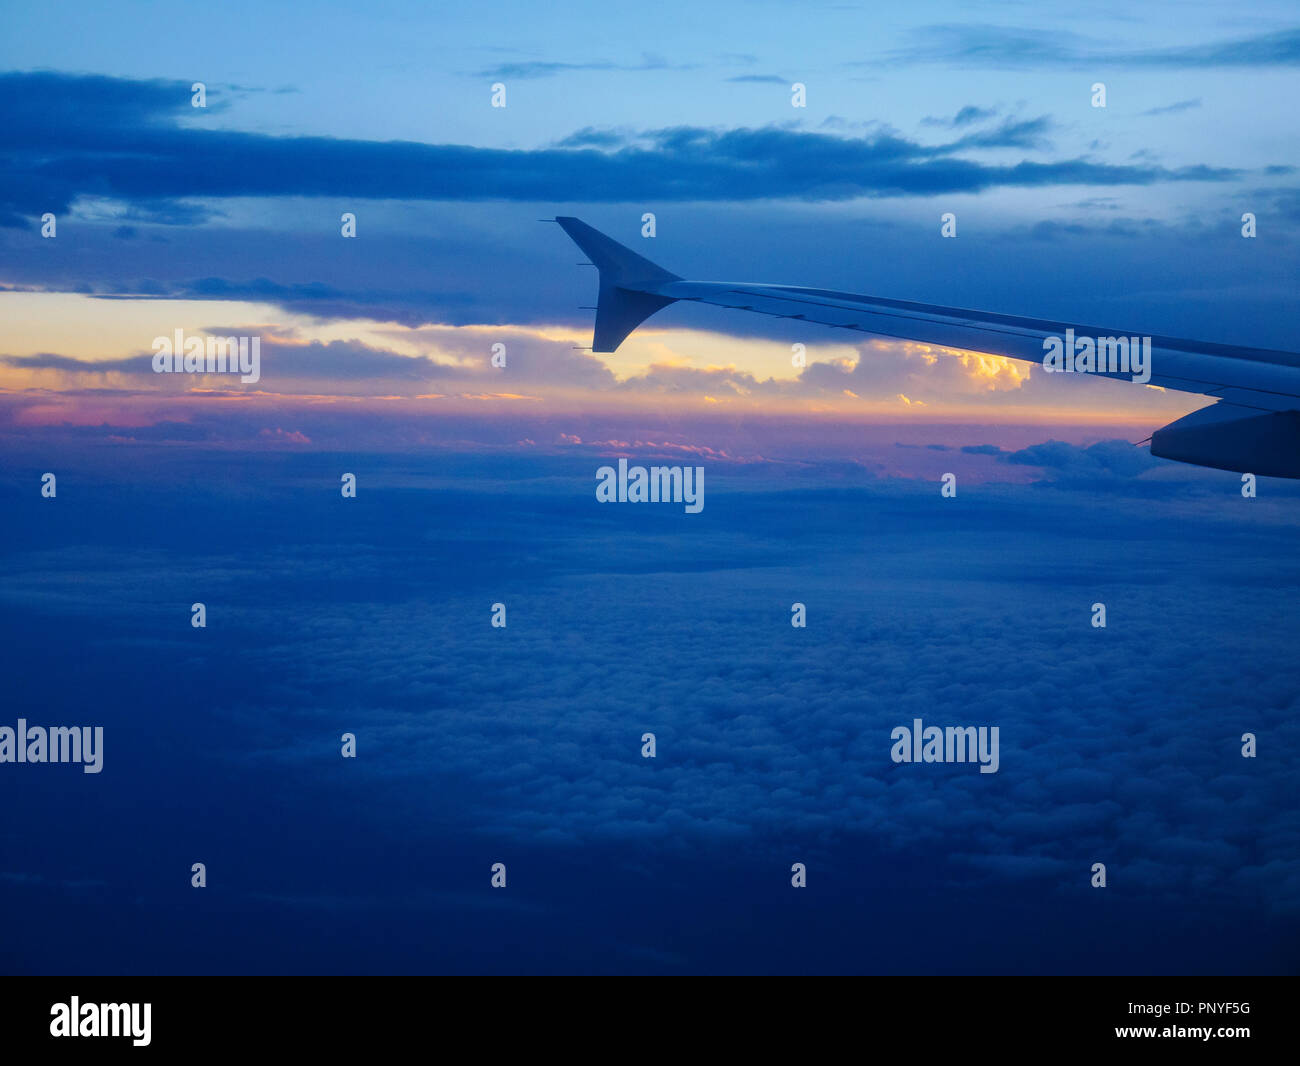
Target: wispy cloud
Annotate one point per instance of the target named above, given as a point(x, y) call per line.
point(967, 115)
point(1171, 109)
point(1004, 46)
point(540, 68)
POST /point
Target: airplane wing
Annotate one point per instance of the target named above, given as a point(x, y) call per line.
point(1253, 427)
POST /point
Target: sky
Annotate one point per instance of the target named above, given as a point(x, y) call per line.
point(477, 485)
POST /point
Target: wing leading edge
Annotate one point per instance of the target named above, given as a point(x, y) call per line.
point(1254, 427)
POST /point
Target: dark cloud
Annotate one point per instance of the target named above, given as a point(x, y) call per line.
point(590, 137)
point(494, 263)
point(131, 144)
point(970, 113)
point(964, 117)
point(1117, 458)
point(1024, 133)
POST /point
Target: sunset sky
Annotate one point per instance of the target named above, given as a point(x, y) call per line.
point(225, 219)
point(370, 614)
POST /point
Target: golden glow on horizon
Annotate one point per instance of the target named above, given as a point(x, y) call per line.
point(92, 328)
point(662, 372)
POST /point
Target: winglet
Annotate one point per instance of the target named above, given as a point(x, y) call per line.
point(627, 284)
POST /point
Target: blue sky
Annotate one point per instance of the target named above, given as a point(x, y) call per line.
point(371, 615)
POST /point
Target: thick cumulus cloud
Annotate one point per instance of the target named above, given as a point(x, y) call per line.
point(1118, 745)
point(1105, 457)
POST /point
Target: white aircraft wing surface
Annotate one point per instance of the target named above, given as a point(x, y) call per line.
point(1253, 427)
